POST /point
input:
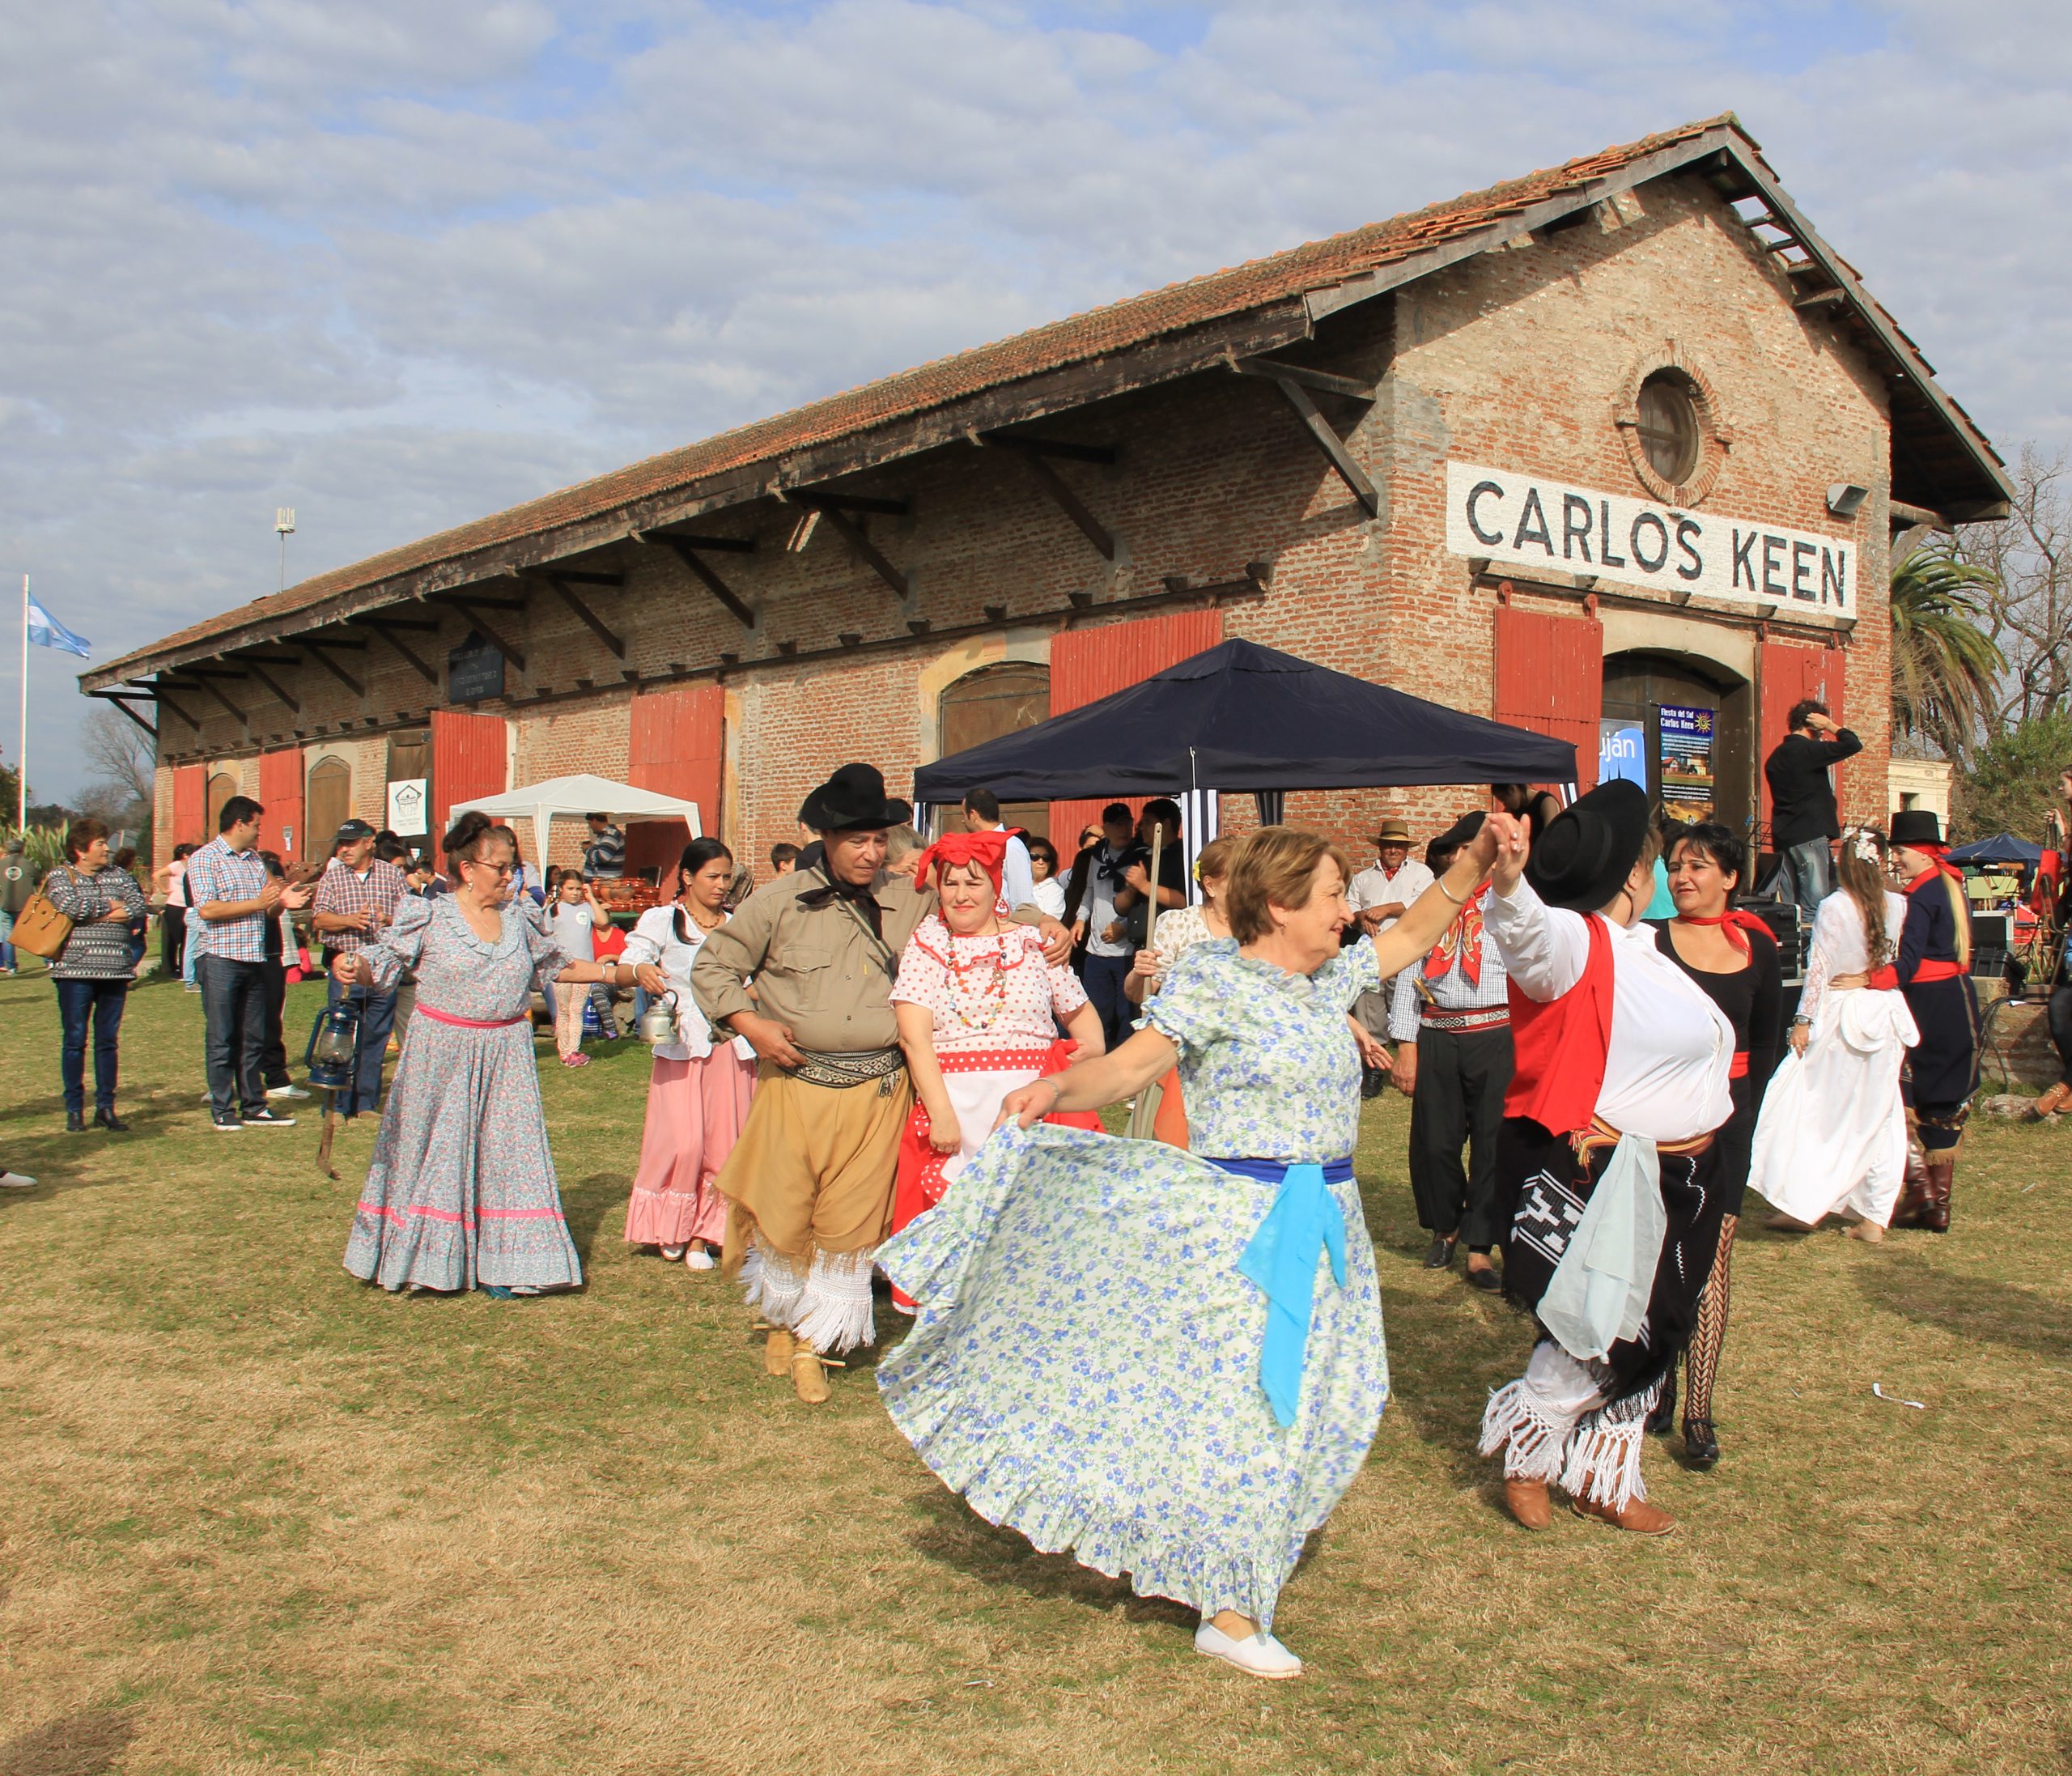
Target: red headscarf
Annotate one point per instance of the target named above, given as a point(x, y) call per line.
point(988, 850)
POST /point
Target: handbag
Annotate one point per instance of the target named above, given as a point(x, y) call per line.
point(41, 928)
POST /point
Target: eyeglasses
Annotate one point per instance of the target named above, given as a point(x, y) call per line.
point(501, 870)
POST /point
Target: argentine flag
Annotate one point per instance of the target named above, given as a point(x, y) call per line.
point(45, 631)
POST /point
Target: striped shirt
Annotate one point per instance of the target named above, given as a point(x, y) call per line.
point(217, 872)
point(604, 856)
point(95, 951)
point(344, 890)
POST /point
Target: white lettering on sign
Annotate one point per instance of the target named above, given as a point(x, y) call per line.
point(1532, 522)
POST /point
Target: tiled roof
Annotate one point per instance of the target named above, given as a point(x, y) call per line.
point(1233, 291)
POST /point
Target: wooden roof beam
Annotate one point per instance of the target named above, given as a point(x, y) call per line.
point(380, 619)
point(472, 608)
point(279, 690)
point(685, 549)
point(1274, 370)
point(122, 703)
point(388, 632)
point(321, 655)
point(1034, 457)
point(591, 620)
point(1333, 447)
point(852, 532)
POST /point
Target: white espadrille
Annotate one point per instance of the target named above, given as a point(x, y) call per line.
point(1260, 1655)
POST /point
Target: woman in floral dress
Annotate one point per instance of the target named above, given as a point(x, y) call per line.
point(699, 1096)
point(461, 1193)
point(1172, 1364)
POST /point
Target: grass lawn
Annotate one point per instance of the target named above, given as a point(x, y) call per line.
point(255, 1516)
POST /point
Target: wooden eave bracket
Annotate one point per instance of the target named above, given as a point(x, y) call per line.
point(268, 680)
point(122, 702)
point(575, 602)
point(472, 608)
point(834, 510)
point(685, 549)
point(388, 632)
point(321, 653)
point(1296, 394)
point(1035, 454)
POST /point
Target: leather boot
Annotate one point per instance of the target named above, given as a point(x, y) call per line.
point(777, 1351)
point(1941, 1174)
point(808, 1377)
point(1637, 1517)
point(1912, 1208)
point(1526, 1501)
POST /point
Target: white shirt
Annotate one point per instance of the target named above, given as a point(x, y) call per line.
point(1099, 907)
point(1375, 887)
point(654, 940)
point(1666, 1069)
point(1017, 880)
point(1049, 896)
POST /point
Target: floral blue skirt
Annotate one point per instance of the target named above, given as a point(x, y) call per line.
point(1085, 1365)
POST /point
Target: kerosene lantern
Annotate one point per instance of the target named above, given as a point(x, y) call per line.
point(658, 1023)
point(333, 1054)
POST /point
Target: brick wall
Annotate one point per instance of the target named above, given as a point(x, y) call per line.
point(1517, 358)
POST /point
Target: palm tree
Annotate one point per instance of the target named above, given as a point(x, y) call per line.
point(1945, 666)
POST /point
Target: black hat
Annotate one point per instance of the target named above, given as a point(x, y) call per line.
point(1589, 848)
point(854, 800)
point(1460, 833)
point(351, 832)
point(1916, 826)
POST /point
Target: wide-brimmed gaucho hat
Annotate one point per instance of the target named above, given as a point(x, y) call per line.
point(1589, 848)
point(854, 800)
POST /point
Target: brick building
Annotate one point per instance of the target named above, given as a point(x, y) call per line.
point(1615, 451)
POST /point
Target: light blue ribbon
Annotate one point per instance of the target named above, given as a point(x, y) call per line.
point(1281, 1260)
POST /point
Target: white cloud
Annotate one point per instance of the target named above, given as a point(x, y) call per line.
point(398, 265)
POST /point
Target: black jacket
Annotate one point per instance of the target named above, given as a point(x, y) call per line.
point(1801, 794)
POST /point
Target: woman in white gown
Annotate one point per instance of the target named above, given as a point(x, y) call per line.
point(1832, 1134)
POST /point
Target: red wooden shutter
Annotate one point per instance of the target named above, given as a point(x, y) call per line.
point(1087, 665)
point(280, 794)
point(190, 805)
point(677, 748)
point(468, 759)
point(1550, 677)
point(1794, 670)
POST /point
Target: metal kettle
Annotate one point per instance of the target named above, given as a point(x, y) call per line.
point(658, 1023)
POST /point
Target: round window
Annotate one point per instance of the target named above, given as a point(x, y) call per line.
point(1669, 426)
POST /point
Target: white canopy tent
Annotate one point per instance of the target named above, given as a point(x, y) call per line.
point(576, 796)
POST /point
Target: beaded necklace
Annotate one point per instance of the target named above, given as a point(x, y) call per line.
point(978, 1007)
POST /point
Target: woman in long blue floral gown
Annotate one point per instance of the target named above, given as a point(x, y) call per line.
point(1172, 1365)
point(461, 1193)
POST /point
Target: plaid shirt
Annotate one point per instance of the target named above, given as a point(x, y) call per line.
point(217, 872)
point(345, 890)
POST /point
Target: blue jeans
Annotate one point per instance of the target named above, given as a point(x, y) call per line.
point(1809, 872)
point(78, 1001)
point(7, 948)
point(377, 1017)
point(1102, 976)
point(233, 1014)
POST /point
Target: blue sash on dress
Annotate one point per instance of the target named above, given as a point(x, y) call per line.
point(1304, 1223)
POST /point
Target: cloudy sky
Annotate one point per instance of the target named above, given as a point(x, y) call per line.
point(396, 263)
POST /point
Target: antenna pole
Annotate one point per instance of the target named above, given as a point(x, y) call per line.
point(21, 758)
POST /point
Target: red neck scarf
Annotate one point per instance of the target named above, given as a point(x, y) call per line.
point(988, 850)
point(1736, 923)
point(1463, 939)
point(1940, 854)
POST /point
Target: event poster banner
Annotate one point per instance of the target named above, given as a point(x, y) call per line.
point(1686, 762)
point(410, 803)
point(1531, 522)
point(1622, 751)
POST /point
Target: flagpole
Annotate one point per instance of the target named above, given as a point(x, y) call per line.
point(21, 758)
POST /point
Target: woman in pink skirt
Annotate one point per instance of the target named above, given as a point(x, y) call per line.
point(699, 1096)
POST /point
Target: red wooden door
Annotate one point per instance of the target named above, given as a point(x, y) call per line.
point(190, 805)
point(1791, 671)
point(280, 794)
point(1087, 665)
point(1550, 677)
point(677, 747)
point(468, 758)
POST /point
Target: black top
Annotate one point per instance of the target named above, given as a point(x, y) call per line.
point(1801, 794)
point(1751, 998)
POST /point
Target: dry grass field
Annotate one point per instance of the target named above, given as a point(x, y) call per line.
point(255, 1517)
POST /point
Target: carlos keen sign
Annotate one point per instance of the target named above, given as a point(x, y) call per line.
point(1529, 521)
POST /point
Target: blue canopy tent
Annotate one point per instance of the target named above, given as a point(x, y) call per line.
point(1240, 716)
point(2002, 847)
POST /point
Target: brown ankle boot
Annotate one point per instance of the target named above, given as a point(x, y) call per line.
point(777, 1351)
point(1526, 1501)
point(1637, 1516)
point(1941, 1174)
point(1912, 1208)
point(808, 1377)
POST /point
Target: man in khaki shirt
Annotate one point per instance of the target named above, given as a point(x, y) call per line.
point(810, 1180)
